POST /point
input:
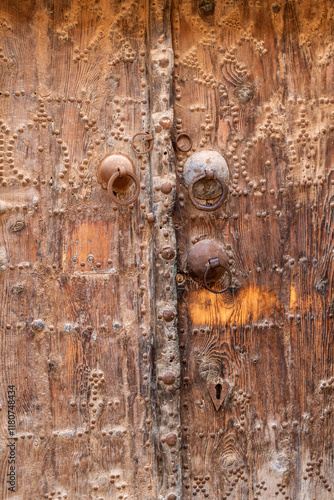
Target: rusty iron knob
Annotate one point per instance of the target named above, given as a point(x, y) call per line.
point(115, 172)
point(205, 257)
point(207, 174)
point(213, 264)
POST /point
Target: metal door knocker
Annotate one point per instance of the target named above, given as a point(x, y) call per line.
point(213, 264)
point(115, 173)
point(207, 262)
point(205, 175)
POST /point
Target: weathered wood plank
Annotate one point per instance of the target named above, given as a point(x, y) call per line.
point(76, 306)
point(254, 81)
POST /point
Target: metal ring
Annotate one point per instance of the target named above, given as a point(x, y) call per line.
point(111, 193)
point(149, 139)
point(209, 175)
point(208, 267)
point(183, 150)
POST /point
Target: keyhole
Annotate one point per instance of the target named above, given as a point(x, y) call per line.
point(218, 391)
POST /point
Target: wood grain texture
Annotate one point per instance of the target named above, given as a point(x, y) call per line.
point(132, 380)
point(254, 81)
point(75, 269)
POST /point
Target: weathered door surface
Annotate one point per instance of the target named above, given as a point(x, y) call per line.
point(125, 373)
point(77, 312)
point(254, 82)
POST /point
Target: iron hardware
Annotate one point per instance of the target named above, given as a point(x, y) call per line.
point(207, 174)
point(201, 263)
point(148, 138)
point(218, 390)
point(212, 264)
point(122, 173)
point(179, 142)
point(115, 172)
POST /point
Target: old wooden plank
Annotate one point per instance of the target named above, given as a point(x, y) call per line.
point(253, 80)
point(76, 306)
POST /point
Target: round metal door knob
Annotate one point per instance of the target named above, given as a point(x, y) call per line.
point(116, 173)
point(208, 263)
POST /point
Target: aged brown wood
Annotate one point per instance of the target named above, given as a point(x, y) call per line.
point(132, 381)
point(77, 302)
point(254, 81)
point(165, 340)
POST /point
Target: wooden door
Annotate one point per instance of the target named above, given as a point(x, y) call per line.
point(122, 375)
point(253, 81)
point(78, 416)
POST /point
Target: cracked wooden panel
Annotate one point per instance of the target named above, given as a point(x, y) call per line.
point(253, 81)
point(76, 293)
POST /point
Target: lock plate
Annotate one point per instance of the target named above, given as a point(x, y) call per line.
point(218, 391)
